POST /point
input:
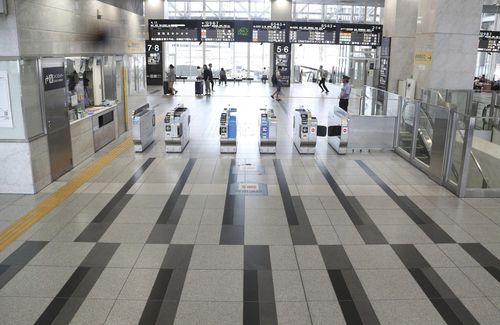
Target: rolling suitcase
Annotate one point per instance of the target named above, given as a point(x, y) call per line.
point(198, 87)
point(165, 88)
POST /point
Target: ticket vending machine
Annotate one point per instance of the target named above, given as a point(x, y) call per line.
point(268, 131)
point(143, 128)
point(338, 132)
point(228, 131)
point(177, 129)
point(305, 128)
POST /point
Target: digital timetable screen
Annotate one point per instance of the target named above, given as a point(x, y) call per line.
point(489, 41)
point(269, 31)
point(358, 34)
point(217, 30)
point(174, 30)
point(312, 33)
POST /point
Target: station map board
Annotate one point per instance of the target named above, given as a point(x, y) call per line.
point(264, 32)
point(489, 41)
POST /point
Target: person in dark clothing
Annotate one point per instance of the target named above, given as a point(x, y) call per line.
point(207, 76)
point(222, 77)
point(212, 76)
point(322, 74)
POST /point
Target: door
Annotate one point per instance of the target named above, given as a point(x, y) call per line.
point(56, 117)
point(120, 110)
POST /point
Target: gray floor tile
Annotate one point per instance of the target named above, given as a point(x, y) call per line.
point(348, 235)
point(417, 312)
point(185, 234)
point(373, 257)
point(389, 284)
point(458, 255)
point(138, 284)
point(32, 308)
point(208, 235)
point(191, 216)
point(488, 285)
point(62, 254)
point(127, 233)
point(213, 285)
point(151, 256)
point(265, 216)
point(93, 311)
point(283, 258)
point(318, 218)
point(109, 284)
point(309, 257)
point(326, 313)
point(293, 313)
point(209, 313)
point(138, 215)
point(126, 255)
point(404, 234)
point(434, 256)
point(483, 310)
point(456, 280)
point(212, 216)
point(217, 257)
point(317, 285)
point(288, 286)
point(325, 235)
point(126, 312)
point(267, 235)
point(339, 217)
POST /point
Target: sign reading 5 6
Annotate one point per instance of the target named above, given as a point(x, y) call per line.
point(283, 49)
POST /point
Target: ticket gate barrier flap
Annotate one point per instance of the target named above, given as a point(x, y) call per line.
point(177, 129)
point(143, 128)
point(338, 131)
point(268, 131)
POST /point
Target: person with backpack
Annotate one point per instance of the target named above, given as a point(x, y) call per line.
point(276, 79)
point(322, 74)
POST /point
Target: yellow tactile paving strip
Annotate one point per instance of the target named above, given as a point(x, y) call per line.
point(15, 230)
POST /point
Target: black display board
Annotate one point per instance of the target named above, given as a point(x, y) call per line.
point(360, 34)
point(282, 57)
point(269, 31)
point(489, 41)
point(264, 31)
point(174, 30)
point(385, 60)
point(312, 33)
point(154, 63)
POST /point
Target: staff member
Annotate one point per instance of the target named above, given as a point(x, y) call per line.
point(345, 93)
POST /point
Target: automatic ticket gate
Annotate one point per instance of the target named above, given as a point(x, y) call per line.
point(305, 128)
point(177, 129)
point(228, 131)
point(268, 130)
point(339, 130)
point(143, 128)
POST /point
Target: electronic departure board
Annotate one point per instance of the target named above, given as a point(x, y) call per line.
point(312, 33)
point(360, 34)
point(217, 30)
point(489, 41)
point(174, 30)
point(269, 31)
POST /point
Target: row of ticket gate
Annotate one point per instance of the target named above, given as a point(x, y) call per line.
point(305, 130)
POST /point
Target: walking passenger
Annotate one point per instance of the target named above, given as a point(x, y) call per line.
point(277, 80)
point(264, 76)
point(345, 93)
point(211, 76)
point(207, 76)
point(222, 77)
point(322, 74)
point(171, 79)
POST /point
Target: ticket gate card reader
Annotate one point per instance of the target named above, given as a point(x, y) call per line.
point(177, 129)
point(338, 131)
point(268, 128)
point(305, 128)
point(143, 128)
point(228, 131)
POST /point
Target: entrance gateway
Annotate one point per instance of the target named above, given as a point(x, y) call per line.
point(281, 33)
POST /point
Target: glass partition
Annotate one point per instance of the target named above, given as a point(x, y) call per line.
point(30, 88)
point(380, 102)
point(406, 124)
point(457, 147)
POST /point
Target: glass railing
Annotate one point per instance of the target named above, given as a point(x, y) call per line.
point(457, 148)
point(406, 122)
point(378, 102)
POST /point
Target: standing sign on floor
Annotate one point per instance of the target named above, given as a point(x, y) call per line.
point(5, 106)
point(282, 57)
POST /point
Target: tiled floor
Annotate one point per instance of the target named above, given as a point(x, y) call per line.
point(159, 238)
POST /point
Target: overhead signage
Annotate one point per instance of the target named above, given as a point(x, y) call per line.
point(264, 31)
point(282, 58)
point(489, 41)
point(269, 31)
point(154, 63)
point(313, 33)
point(360, 34)
point(217, 30)
point(174, 30)
point(53, 78)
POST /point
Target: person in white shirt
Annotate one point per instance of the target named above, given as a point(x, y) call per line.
point(345, 93)
point(322, 74)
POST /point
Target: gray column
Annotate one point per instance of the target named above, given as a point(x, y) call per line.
point(280, 10)
point(400, 23)
point(448, 31)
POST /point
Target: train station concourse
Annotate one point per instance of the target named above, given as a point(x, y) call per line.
point(254, 162)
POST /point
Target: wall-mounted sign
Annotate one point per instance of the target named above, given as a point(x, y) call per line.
point(53, 78)
point(5, 105)
point(154, 63)
point(489, 41)
point(423, 58)
point(282, 58)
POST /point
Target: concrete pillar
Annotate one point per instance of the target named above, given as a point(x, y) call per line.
point(446, 43)
point(281, 10)
point(400, 23)
point(153, 9)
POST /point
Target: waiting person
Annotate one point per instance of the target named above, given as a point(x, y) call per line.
point(322, 74)
point(222, 77)
point(278, 81)
point(345, 93)
point(212, 76)
point(264, 76)
point(171, 79)
point(207, 76)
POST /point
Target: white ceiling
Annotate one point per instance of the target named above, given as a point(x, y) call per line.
point(344, 2)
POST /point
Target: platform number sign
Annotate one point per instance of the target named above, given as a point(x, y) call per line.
point(283, 49)
point(153, 47)
point(282, 57)
point(154, 63)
